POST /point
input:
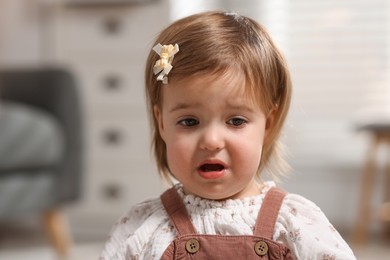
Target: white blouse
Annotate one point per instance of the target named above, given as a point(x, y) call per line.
point(146, 231)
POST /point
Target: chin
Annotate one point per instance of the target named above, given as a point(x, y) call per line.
point(217, 195)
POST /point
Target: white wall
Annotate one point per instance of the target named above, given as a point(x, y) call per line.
point(20, 32)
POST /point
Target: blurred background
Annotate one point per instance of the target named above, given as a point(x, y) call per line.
point(83, 157)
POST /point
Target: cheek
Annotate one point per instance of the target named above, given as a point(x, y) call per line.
point(179, 151)
point(249, 149)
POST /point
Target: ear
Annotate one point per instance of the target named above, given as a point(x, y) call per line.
point(158, 117)
point(270, 120)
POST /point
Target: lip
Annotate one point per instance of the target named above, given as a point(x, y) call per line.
point(215, 174)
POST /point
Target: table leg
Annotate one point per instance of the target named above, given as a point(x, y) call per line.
point(385, 210)
point(360, 232)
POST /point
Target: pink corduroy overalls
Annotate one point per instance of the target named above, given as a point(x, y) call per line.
point(190, 245)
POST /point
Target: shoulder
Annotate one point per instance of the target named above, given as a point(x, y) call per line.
point(300, 223)
point(134, 230)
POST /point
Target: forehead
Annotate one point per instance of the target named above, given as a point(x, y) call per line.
point(230, 86)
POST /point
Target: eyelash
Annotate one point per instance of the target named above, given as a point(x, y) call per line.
point(234, 120)
point(191, 122)
point(186, 122)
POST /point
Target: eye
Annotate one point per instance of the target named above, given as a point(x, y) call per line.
point(188, 122)
point(237, 121)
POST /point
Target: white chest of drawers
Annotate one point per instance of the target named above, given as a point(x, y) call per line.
point(106, 47)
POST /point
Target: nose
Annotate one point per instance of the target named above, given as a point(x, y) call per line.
point(212, 139)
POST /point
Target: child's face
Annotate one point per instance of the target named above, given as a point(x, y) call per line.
point(214, 136)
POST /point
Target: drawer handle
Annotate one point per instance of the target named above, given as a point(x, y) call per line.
point(112, 191)
point(112, 137)
point(112, 82)
point(112, 25)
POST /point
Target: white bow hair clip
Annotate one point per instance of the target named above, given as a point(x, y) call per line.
point(163, 65)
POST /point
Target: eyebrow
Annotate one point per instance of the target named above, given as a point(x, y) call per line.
point(180, 106)
point(240, 106)
point(230, 105)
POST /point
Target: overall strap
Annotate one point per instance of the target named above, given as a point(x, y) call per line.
point(268, 213)
point(177, 212)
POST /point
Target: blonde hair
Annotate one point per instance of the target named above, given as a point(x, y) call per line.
point(215, 43)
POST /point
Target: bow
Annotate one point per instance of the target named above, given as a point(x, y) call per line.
point(163, 65)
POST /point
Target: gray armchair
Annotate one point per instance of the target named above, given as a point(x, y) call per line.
point(41, 146)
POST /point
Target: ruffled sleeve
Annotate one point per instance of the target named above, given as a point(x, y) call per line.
point(132, 235)
point(304, 228)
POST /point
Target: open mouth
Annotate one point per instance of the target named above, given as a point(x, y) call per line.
point(212, 170)
point(211, 167)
